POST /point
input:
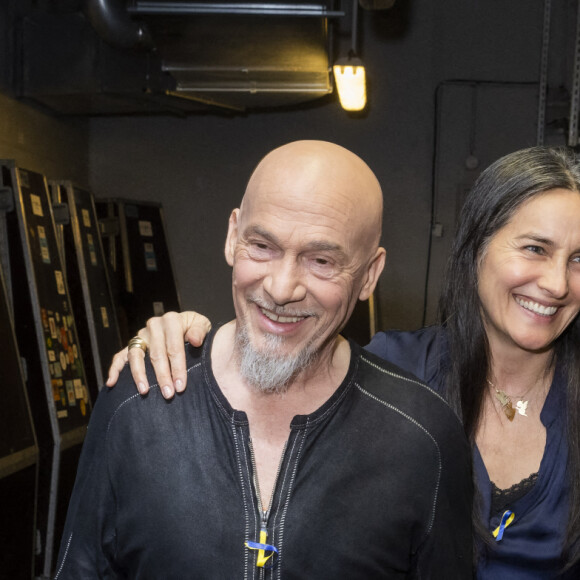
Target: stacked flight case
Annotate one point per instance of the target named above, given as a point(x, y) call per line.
point(18, 457)
point(88, 281)
point(57, 300)
point(47, 338)
point(141, 272)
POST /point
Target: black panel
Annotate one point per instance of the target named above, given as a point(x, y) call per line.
point(56, 328)
point(17, 515)
point(16, 430)
point(18, 457)
point(141, 272)
point(87, 277)
point(47, 340)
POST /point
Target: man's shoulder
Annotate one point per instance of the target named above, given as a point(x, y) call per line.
point(402, 391)
point(385, 379)
point(125, 396)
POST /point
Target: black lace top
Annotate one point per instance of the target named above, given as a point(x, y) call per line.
point(502, 498)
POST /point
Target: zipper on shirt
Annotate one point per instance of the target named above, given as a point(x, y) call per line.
point(263, 561)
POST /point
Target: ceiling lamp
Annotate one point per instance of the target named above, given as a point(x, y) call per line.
point(349, 74)
point(350, 77)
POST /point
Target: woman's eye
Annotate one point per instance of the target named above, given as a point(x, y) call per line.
point(535, 249)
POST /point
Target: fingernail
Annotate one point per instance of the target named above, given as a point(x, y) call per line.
point(178, 385)
point(141, 388)
point(167, 392)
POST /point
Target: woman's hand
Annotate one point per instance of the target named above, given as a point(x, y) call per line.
point(166, 336)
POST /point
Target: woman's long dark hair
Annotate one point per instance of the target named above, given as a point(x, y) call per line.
point(497, 194)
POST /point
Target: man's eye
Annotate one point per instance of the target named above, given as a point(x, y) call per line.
point(322, 267)
point(258, 250)
point(258, 245)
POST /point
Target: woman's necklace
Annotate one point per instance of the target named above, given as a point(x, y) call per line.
point(506, 402)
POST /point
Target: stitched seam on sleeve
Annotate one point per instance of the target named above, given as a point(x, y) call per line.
point(64, 557)
point(121, 405)
point(193, 367)
point(132, 397)
point(426, 431)
point(401, 377)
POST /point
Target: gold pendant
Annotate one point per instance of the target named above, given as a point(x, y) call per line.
point(506, 404)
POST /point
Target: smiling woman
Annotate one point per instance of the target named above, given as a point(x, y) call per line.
point(511, 331)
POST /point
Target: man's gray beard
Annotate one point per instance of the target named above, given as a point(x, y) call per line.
point(267, 370)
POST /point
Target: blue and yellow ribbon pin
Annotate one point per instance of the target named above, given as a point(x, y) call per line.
point(264, 559)
point(506, 519)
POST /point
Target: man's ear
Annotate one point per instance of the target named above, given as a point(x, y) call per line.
point(232, 237)
point(374, 270)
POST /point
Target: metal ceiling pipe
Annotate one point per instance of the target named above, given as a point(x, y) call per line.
point(113, 24)
point(240, 8)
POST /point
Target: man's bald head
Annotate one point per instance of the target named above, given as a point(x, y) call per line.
point(321, 169)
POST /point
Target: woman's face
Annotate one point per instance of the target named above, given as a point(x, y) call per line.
point(529, 276)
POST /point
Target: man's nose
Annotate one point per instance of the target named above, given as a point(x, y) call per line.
point(284, 282)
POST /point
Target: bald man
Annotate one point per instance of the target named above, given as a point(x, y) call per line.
point(293, 453)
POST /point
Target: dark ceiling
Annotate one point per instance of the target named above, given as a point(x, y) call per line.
point(105, 57)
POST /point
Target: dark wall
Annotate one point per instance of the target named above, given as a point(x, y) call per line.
point(198, 166)
point(55, 147)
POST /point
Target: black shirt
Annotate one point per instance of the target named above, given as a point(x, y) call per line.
point(374, 484)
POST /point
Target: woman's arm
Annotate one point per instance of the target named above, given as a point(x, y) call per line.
point(165, 336)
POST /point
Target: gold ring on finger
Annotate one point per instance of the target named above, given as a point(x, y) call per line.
point(137, 342)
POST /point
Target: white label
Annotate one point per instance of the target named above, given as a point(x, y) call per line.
point(63, 361)
point(79, 389)
point(52, 327)
point(59, 282)
point(86, 218)
point(44, 253)
point(70, 393)
point(92, 253)
point(36, 205)
point(150, 259)
point(145, 228)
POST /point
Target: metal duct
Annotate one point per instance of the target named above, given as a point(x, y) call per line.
point(113, 24)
